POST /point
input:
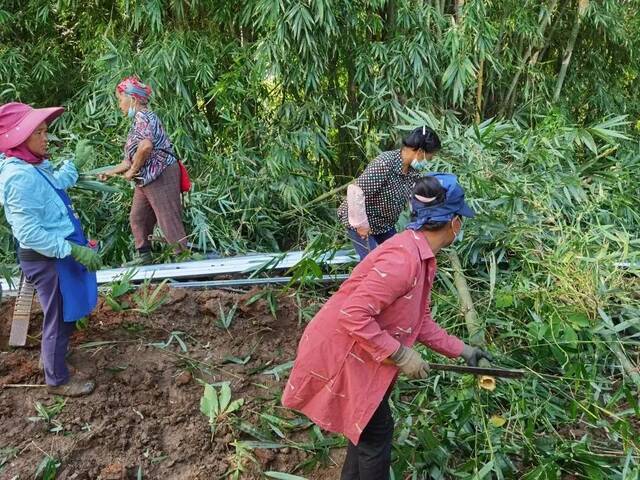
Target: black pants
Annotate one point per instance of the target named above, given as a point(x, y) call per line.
point(371, 458)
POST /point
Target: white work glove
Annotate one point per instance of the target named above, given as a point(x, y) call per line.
point(410, 362)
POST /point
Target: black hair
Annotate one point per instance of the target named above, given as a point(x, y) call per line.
point(430, 187)
point(423, 138)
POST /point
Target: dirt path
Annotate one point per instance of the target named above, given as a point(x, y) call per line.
point(144, 418)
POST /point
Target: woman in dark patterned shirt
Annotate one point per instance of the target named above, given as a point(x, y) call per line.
point(149, 160)
point(377, 197)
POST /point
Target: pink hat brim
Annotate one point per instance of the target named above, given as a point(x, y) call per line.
point(19, 133)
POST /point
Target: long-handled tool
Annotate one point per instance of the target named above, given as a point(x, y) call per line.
point(481, 371)
point(493, 372)
point(21, 313)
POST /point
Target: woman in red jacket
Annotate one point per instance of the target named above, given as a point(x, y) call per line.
point(350, 353)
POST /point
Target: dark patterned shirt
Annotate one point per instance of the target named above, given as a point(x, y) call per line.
point(386, 189)
point(147, 125)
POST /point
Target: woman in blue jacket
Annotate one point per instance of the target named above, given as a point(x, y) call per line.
point(53, 251)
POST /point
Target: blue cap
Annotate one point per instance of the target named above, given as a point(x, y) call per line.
point(452, 205)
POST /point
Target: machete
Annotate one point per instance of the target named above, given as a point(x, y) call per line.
point(493, 372)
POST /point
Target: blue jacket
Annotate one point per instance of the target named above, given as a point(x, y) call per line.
point(36, 214)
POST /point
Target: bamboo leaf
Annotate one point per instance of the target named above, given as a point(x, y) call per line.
point(225, 397)
point(283, 476)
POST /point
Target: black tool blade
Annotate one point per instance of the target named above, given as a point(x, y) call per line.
point(490, 371)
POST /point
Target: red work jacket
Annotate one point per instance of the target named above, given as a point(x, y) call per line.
point(338, 378)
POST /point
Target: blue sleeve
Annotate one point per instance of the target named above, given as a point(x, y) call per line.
point(24, 212)
point(65, 177)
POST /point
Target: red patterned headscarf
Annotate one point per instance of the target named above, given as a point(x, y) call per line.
point(134, 87)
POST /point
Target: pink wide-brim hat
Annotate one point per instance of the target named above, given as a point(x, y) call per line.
point(18, 121)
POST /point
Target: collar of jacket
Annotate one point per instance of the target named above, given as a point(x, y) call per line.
point(424, 249)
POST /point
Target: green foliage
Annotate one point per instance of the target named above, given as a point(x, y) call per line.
point(279, 369)
point(226, 318)
point(239, 459)
point(82, 323)
point(118, 288)
point(47, 469)
point(270, 297)
point(48, 412)
point(274, 106)
point(177, 336)
point(270, 104)
point(148, 299)
point(217, 406)
point(6, 455)
point(283, 476)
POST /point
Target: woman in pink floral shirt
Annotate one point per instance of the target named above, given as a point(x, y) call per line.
point(150, 162)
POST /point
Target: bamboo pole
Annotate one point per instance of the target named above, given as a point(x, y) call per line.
point(545, 19)
point(328, 194)
point(459, 5)
point(566, 58)
point(390, 20)
point(547, 43)
point(479, 94)
point(475, 330)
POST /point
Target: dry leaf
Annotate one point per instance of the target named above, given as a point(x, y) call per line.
point(497, 421)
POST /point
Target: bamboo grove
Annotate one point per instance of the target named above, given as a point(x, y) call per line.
point(293, 98)
point(272, 104)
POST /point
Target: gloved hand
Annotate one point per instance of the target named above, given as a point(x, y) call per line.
point(472, 355)
point(86, 256)
point(84, 151)
point(410, 362)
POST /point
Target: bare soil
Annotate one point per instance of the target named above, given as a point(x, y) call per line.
point(144, 416)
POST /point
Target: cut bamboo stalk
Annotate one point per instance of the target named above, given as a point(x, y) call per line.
point(475, 330)
point(328, 194)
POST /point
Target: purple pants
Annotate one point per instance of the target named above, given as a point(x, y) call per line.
point(55, 331)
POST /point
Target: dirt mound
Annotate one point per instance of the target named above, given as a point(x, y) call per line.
point(144, 419)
